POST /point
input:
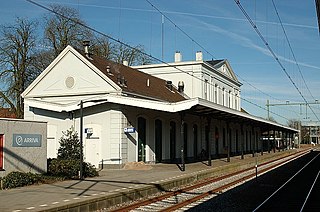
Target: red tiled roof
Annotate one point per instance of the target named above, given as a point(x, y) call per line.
point(136, 82)
point(7, 113)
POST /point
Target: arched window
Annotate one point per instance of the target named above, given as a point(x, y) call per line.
point(217, 140)
point(141, 139)
point(224, 137)
point(158, 140)
point(185, 140)
point(195, 141)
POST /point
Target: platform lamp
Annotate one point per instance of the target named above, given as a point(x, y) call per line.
point(81, 132)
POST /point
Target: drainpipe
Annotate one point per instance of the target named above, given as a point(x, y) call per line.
point(183, 163)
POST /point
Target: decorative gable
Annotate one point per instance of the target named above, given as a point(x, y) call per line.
point(224, 67)
point(70, 75)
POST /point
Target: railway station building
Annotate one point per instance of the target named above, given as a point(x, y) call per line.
point(151, 113)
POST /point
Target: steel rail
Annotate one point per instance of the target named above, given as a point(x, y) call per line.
point(221, 188)
point(203, 183)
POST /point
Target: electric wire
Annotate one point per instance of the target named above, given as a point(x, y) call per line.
point(138, 50)
point(264, 93)
point(181, 30)
point(290, 47)
point(272, 53)
point(197, 43)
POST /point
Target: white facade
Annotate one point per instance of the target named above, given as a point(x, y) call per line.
point(214, 81)
point(155, 125)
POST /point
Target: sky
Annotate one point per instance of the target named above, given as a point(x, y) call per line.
point(221, 31)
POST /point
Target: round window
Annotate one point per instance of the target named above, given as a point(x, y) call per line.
point(70, 82)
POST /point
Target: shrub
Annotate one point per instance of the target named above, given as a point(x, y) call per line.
point(89, 170)
point(19, 179)
point(70, 169)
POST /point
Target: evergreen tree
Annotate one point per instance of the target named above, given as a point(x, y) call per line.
point(69, 145)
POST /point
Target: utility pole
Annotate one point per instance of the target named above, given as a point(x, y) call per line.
point(162, 38)
point(293, 104)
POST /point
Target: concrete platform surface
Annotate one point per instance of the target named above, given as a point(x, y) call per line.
point(114, 186)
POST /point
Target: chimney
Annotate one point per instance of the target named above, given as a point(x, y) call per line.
point(180, 86)
point(125, 62)
point(177, 57)
point(109, 71)
point(86, 45)
point(169, 85)
point(199, 56)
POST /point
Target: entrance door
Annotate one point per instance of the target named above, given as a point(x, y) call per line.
point(1, 152)
point(141, 139)
point(91, 152)
point(158, 140)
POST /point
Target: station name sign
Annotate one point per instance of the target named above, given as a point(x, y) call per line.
point(129, 130)
point(27, 140)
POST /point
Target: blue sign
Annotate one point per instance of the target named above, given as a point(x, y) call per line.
point(129, 130)
point(27, 140)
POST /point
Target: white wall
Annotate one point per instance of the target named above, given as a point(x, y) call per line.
point(200, 80)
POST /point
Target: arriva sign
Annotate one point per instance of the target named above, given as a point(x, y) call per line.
point(26, 140)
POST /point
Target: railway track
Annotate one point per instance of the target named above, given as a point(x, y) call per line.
point(192, 195)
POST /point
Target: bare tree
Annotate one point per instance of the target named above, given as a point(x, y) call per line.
point(134, 56)
point(294, 123)
point(64, 27)
point(272, 119)
point(17, 44)
point(102, 47)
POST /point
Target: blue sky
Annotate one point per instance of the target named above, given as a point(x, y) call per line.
point(223, 30)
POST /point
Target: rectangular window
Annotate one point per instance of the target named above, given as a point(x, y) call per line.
point(206, 89)
point(1, 152)
point(223, 97)
point(229, 99)
point(236, 102)
point(215, 94)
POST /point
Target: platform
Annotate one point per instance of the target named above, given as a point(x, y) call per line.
point(115, 186)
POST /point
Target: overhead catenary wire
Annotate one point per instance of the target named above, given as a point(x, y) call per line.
point(264, 92)
point(185, 33)
point(138, 50)
point(197, 43)
point(273, 53)
point(181, 30)
point(290, 47)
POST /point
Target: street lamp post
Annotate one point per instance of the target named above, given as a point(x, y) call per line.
point(81, 132)
point(81, 140)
